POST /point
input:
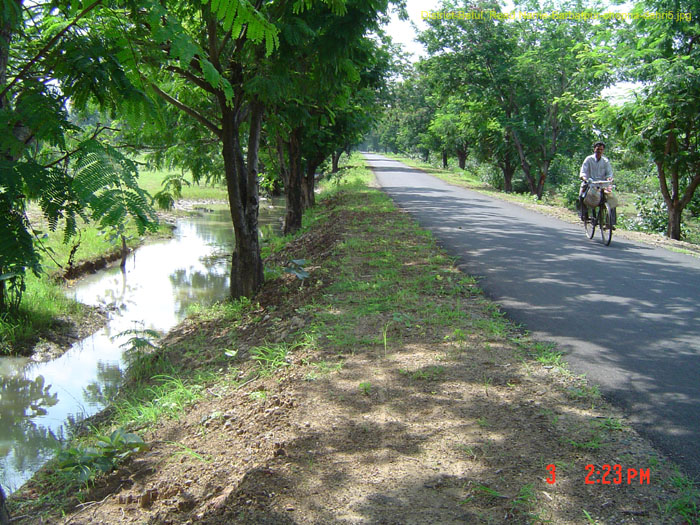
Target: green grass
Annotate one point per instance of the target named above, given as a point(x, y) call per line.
point(167, 397)
point(44, 302)
point(151, 181)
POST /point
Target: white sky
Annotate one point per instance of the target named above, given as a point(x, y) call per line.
point(404, 33)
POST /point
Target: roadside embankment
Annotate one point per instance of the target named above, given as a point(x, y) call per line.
point(383, 387)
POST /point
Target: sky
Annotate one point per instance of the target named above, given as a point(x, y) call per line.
point(404, 33)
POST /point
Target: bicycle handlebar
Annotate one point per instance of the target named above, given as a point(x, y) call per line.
point(600, 183)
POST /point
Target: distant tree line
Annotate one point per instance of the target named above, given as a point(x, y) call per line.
point(523, 95)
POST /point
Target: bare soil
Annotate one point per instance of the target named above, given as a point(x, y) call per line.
point(427, 428)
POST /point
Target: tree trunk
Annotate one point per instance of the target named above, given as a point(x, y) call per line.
point(674, 222)
point(4, 513)
point(293, 184)
point(462, 158)
point(508, 169)
point(241, 180)
point(125, 253)
point(524, 164)
point(335, 159)
point(543, 177)
point(426, 156)
point(308, 184)
point(3, 307)
point(444, 159)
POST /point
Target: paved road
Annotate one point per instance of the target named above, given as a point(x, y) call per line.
point(628, 315)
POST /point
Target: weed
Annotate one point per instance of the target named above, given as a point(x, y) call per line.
point(431, 373)
point(482, 422)
point(297, 267)
point(468, 450)
point(547, 354)
point(525, 501)
point(385, 329)
point(489, 492)
point(611, 424)
point(687, 502)
point(88, 462)
point(323, 368)
point(585, 392)
point(139, 339)
point(487, 383)
point(168, 397)
point(187, 451)
point(594, 443)
point(366, 388)
point(271, 357)
point(258, 395)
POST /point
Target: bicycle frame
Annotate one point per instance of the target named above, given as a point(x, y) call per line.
point(601, 215)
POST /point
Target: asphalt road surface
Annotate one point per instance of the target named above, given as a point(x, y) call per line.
point(627, 315)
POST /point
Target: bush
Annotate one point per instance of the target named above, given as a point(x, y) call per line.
point(652, 215)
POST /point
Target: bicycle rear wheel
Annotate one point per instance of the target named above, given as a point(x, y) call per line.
point(590, 223)
point(605, 223)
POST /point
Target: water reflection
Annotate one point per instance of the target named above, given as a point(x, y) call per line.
point(40, 402)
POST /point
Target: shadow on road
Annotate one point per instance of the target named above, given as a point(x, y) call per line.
point(626, 314)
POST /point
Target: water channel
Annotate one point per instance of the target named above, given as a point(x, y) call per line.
point(39, 402)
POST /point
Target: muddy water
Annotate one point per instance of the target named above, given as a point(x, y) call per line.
point(40, 402)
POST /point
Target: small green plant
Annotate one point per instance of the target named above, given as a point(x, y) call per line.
point(366, 388)
point(270, 357)
point(258, 395)
point(687, 503)
point(296, 267)
point(594, 443)
point(140, 339)
point(482, 422)
point(489, 492)
point(187, 451)
point(585, 392)
point(611, 424)
point(431, 373)
point(487, 383)
point(588, 517)
point(525, 501)
point(87, 462)
point(385, 329)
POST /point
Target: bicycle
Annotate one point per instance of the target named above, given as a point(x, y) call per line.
point(600, 216)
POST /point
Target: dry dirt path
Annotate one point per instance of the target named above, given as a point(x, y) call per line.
point(627, 315)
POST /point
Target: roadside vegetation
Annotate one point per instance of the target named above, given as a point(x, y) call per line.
point(639, 210)
point(519, 97)
point(369, 380)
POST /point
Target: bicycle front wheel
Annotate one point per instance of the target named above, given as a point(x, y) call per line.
point(605, 223)
point(590, 223)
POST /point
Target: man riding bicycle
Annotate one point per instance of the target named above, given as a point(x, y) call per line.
point(595, 168)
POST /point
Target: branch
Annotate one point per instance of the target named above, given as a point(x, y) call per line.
point(98, 130)
point(188, 110)
point(193, 78)
point(46, 48)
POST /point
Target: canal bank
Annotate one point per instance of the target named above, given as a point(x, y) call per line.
point(44, 400)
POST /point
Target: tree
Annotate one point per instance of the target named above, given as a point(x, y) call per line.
point(50, 56)
point(198, 62)
point(532, 72)
point(664, 119)
point(324, 61)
